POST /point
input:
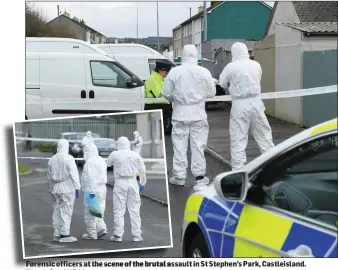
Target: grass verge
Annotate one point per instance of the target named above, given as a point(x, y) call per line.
point(23, 168)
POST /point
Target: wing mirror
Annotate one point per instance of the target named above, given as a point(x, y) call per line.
point(232, 186)
point(132, 83)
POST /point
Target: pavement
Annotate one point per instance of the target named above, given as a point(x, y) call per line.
point(219, 138)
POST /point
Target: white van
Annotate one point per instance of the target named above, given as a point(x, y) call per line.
point(140, 59)
point(67, 77)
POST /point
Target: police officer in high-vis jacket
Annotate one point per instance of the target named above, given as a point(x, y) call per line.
point(153, 89)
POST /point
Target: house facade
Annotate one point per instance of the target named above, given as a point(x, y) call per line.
point(227, 22)
point(79, 29)
point(300, 51)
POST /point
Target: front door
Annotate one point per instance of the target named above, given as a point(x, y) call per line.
point(108, 88)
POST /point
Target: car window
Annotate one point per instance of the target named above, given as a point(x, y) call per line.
point(302, 181)
point(107, 74)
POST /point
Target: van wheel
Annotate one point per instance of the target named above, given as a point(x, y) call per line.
point(198, 247)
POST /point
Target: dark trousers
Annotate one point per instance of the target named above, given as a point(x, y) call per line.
point(167, 112)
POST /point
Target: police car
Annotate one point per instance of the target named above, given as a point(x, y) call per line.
point(282, 204)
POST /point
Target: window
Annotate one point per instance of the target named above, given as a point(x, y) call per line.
point(108, 74)
point(152, 63)
point(302, 181)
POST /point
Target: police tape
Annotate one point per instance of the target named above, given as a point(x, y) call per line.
point(19, 138)
point(275, 95)
point(269, 95)
point(150, 160)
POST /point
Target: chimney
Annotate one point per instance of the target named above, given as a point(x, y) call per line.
point(214, 3)
point(200, 9)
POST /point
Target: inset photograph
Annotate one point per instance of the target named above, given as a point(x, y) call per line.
point(92, 184)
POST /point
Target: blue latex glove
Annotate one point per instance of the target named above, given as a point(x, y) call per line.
point(83, 162)
point(77, 193)
point(92, 195)
point(141, 188)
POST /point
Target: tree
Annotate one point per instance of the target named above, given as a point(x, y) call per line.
point(35, 22)
point(36, 25)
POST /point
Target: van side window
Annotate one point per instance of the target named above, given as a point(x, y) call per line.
point(304, 180)
point(107, 74)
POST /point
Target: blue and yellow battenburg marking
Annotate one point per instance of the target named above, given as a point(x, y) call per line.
point(327, 126)
point(255, 224)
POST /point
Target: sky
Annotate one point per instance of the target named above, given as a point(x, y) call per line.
point(119, 19)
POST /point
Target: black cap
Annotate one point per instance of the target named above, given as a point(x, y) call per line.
point(164, 65)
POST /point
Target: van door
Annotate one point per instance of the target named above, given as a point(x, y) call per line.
point(63, 84)
point(33, 96)
point(110, 87)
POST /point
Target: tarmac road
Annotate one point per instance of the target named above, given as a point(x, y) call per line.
point(178, 197)
point(37, 210)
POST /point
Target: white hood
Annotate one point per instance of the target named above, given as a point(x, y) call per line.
point(91, 151)
point(239, 51)
point(89, 134)
point(123, 143)
point(189, 54)
point(63, 146)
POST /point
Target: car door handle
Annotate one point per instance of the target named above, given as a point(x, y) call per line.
point(83, 94)
point(91, 94)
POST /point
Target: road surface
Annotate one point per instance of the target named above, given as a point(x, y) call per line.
point(37, 210)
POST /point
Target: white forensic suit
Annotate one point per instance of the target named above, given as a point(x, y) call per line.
point(126, 188)
point(188, 86)
point(137, 142)
point(243, 78)
point(94, 180)
point(63, 180)
point(85, 141)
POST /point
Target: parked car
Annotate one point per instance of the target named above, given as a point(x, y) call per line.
point(74, 147)
point(104, 145)
point(282, 204)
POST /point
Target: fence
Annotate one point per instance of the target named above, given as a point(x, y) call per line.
point(52, 129)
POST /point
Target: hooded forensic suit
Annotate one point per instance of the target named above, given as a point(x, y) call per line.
point(126, 188)
point(137, 142)
point(247, 111)
point(93, 180)
point(188, 86)
point(63, 180)
point(87, 139)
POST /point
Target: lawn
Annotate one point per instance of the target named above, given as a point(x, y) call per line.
point(23, 168)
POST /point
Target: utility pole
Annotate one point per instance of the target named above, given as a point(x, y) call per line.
point(137, 22)
point(58, 8)
point(205, 21)
point(158, 31)
point(190, 12)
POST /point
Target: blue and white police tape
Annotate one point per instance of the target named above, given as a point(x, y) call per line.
point(269, 95)
point(145, 160)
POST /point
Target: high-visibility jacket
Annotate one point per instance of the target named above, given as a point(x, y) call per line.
point(153, 88)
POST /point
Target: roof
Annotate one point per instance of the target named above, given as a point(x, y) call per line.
point(315, 27)
point(78, 23)
point(316, 11)
point(310, 11)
